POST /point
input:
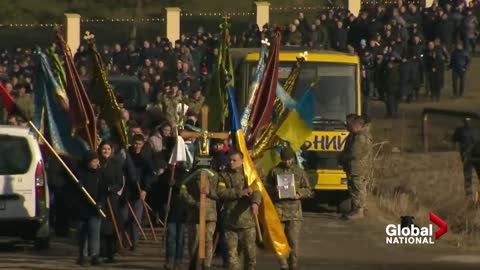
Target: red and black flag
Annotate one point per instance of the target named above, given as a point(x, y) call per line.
point(80, 111)
point(263, 105)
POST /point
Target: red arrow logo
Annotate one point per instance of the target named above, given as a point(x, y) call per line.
point(440, 223)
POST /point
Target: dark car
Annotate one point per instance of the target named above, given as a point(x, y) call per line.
point(128, 88)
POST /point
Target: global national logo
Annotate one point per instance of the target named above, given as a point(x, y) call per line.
point(410, 234)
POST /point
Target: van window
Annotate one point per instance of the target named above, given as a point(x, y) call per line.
point(19, 156)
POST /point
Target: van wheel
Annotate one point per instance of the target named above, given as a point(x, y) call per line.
point(42, 243)
point(344, 205)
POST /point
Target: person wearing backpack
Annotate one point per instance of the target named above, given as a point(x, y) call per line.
point(469, 147)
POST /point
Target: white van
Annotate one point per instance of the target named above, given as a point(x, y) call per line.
point(24, 198)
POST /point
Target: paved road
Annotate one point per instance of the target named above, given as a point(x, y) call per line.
point(327, 243)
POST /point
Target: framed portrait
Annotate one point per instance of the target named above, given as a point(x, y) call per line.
point(286, 186)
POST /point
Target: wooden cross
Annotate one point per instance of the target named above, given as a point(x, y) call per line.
point(204, 152)
point(226, 18)
point(204, 135)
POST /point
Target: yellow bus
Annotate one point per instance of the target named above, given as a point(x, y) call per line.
point(337, 94)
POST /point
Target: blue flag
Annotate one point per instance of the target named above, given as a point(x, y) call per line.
point(50, 117)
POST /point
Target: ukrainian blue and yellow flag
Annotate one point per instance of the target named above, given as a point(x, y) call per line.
point(274, 235)
point(297, 127)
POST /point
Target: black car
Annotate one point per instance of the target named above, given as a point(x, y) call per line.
point(128, 88)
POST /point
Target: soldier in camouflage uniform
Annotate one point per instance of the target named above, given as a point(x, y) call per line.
point(289, 210)
point(195, 101)
point(241, 204)
point(359, 166)
point(345, 156)
point(190, 192)
point(169, 102)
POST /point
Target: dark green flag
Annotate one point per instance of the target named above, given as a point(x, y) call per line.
point(216, 96)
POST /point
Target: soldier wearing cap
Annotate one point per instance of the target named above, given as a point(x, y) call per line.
point(465, 138)
point(289, 209)
point(359, 165)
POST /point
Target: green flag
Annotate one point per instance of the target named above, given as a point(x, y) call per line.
point(110, 108)
point(216, 96)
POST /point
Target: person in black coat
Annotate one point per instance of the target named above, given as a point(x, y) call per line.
point(467, 141)
point(434, 68)
point(137, 190)
point(459, 61)
point(415, 54)
point(393, 87)
point(339, 38)
point(177, 218)
point(445, 28)
point(367, 62)
point(113, 180)
point(64, 193)
point(90, 178)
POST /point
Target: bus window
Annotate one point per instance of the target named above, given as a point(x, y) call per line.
point(335, 93)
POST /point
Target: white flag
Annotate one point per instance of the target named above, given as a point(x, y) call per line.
point(179, 152)
point(182, 109)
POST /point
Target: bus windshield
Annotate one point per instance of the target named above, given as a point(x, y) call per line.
point(335, 93)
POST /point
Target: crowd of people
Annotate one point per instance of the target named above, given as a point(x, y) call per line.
point(407, 46)
point(400, 49)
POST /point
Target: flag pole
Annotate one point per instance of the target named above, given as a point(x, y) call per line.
point(171, 183)
point(132, 212)
point(147, 214)
point(169, 200)
point(259, 231)
point(114, 221)
point(85, 192)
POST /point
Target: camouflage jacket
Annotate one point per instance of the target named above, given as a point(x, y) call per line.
point(345, 156)
point(362, 155)
point(238, 214)
point(190, 192)
point(169, 106)
point(195, 105)
point(289, 209)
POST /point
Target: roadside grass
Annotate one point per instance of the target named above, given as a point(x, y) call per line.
point(415, 184)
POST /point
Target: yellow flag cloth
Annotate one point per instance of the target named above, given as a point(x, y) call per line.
point(294, 130)
point(273, 233)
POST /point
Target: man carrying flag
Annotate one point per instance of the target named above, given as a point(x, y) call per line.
point(243, 187)
point(241, 203)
